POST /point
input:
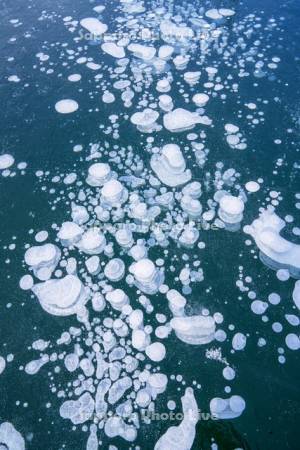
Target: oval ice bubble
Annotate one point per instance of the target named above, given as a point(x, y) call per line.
point(66, 106)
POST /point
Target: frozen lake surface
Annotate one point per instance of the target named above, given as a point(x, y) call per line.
point(150, 225)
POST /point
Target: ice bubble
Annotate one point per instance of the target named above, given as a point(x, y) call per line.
point(93, 265)
point(213, 14)
point(283, 274)
point(239, 341)
point(120, 328)
point(117, 298)
point(10, 438)
point(114, 269)
point(145, 120)
point(142, 51)
point(108, 97)
point(74, 77)
point(227, 408)
point(275, 251)
point(124, 237)
point(79, 214)
point(43, 260)
point(140, 340)
point(165, 102)
point(259, 307)
point(147, 277)
point(69, 234)
point(296, 294)
point(78, 411)
point(93, 26)
point(181, 437)
point(165, 52)
point(292, 341)
point(252, 186)
point(231, 209)
point(163, 85)
point(138, 252)
point(115, 426)
point(98, 174)
point(157, 382)
point(66, 106)
point(136, 319)
point(194, 330)
point(181, 120)
point(2, 364)
point(193, 189)
point(61, 297)
point(170, 167)
point(6, 161)
point(41, 236)
point(26, 282)
point(156, 351)
point(92, 242)
point(231, 129)
point(93, 66)
point(113, 193)
point(87, 367)
point(143, 398)
point(181, 61)
point(190, 234)
point(200, 100)
point(71, 362)
point(34, 366)
point(92, 442)
point(113, 49)
point(191, 78)
point(226, 12)
point(228, 373)
point(99, 9)
point(176, 302)
point(118, 389)
point(191, 206)
point(98, 302)
point(292, 319)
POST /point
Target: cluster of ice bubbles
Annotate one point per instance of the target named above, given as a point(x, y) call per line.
point(115, 381)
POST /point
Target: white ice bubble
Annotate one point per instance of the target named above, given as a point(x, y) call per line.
point(93, 26)
point(156, 351)
point(6, 161)
point(66, 106)
point(292, 341)
point(10, 438)
point(194, 330)
point(239, 341)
